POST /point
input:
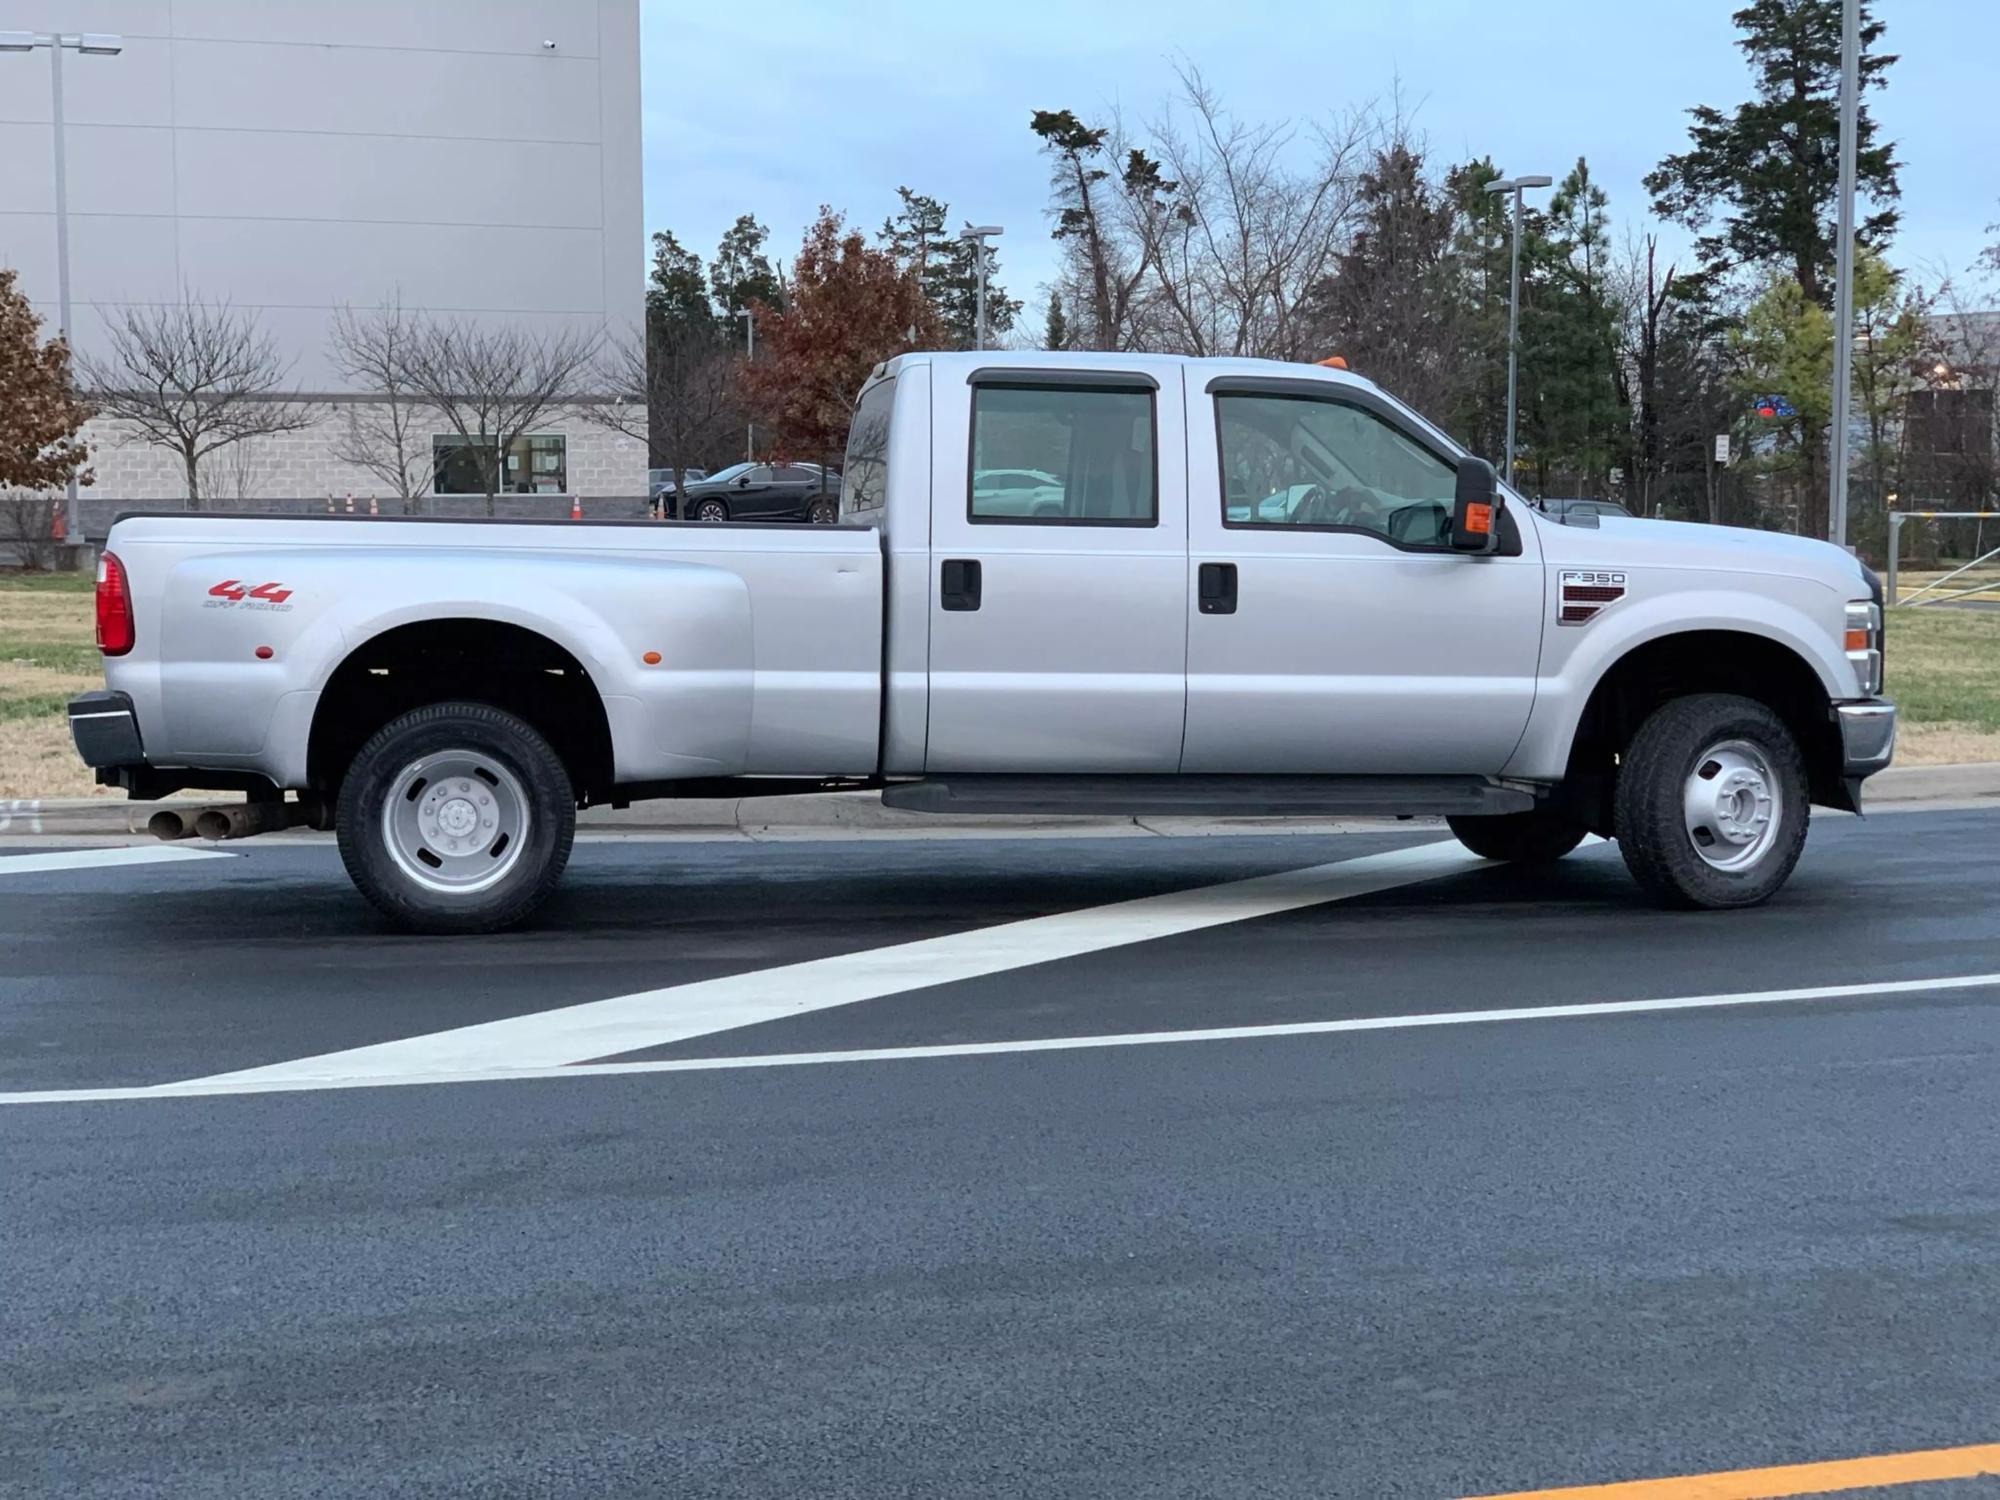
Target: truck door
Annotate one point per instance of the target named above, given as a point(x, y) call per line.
point(1058, 640)
point(1330, 629)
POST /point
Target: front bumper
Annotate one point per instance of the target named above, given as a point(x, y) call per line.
point(1867, 736)
point(106, 730)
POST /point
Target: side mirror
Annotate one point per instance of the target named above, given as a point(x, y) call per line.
point(742, 481)
point(1475, 511)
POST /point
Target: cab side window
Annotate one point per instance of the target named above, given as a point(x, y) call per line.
point(1063, 455)
point(1321, 464)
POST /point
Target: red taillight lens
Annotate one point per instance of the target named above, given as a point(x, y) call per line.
point(114, 607)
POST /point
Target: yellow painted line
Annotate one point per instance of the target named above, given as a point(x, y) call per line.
point(1794, 1479)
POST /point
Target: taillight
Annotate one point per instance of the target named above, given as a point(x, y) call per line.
point(114, 607)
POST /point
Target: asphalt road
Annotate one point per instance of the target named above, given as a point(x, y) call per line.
point(1447, 1259)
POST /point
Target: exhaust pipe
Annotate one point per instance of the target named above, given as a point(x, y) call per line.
point(243, 820)
point(168, 825)
point(239, 820)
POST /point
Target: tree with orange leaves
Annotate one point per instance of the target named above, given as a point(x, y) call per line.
point(40, 410)
point(849, 308)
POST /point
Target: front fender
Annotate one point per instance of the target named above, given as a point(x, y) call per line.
point(1802, 616)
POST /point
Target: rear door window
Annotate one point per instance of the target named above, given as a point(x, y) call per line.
point(1086, 452)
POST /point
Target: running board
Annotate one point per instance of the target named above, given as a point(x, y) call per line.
point(1213, 796)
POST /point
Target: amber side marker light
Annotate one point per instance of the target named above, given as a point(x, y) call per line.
point(651, 658)
point(1334, 362)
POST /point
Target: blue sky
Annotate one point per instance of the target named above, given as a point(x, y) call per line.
point(777, 107)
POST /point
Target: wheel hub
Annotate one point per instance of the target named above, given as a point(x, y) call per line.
point(455, 821)
point(1731, 805)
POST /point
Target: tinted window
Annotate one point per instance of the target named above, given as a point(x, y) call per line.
point(792, 474)
point(865, 472)
point(1090, 448)
point(1300, 461)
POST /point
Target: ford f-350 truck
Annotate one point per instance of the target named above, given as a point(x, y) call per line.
point(1233, 587)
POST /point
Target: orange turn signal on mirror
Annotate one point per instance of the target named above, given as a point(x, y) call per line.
point(1479, 518)
point(651, 658)
point(1857, 640)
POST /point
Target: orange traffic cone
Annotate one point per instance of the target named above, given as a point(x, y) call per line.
point(576, 507)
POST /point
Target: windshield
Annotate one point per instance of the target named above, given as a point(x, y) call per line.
point(731, 472)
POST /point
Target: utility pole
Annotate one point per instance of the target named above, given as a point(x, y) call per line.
point(977, 236)
point(1514, 185)
point(749, 317)
point(88, 44)
point(1843, 281)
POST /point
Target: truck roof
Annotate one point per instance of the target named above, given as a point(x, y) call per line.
point(963, 362)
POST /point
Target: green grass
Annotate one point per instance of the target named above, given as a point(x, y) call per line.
point(1944, 666)
point(24, 707)
point(47, 583)
point(51, 656)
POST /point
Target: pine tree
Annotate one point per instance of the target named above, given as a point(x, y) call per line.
point(741, 273)
point(1055, 334)
point(946, 268)
point(1763, 179)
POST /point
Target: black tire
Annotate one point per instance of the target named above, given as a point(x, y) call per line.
point(1525, 838)
point(708, 508)
point(1654, 774)
point(486, 732)
point(823, 512)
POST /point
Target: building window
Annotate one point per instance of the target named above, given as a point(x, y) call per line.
point(1063, 455)
point(537, 464)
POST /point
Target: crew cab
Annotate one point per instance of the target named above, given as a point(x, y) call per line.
point(1245, 587)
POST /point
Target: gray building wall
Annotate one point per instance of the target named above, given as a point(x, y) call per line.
point(292, 156)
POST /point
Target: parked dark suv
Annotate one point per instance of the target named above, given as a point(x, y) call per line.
point(763, 492)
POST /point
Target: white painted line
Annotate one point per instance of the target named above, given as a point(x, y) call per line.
point(93, 859)
point(654, 1018)
point(244, 1084)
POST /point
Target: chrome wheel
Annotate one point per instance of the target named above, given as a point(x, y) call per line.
point(1732, 805)
point(455, 822)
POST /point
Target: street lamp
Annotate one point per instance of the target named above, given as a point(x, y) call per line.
point(749, 317)
point(977, 236)
point(1514, 185)
point(90, 44)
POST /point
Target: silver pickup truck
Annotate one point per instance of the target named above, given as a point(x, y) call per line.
point(1062, 583)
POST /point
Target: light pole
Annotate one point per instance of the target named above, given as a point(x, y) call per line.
point(1514, 185)
point(1843, 280)
point(89, 44)
point(977, 236)
point(749, 317)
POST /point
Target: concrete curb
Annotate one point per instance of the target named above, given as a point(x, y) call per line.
point(829, 814)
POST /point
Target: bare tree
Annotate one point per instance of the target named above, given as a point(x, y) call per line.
point(1202, 233)
point(382, 431)
point(194, 378)
point(491, 384)
point(676, 398)
point(1236, 235)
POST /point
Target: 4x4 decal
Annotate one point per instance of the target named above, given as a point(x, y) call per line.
point(231, 592)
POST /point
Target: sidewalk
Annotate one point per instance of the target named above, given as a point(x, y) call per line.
point(838, 814)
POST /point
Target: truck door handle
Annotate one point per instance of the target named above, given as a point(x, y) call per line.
point(1215, 588)
point(959, 585)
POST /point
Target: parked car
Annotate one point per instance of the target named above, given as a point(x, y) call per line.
point(1403, 635)
point(1016, 492)
point(763, 492)
point(1581, 510)
point(661, 481)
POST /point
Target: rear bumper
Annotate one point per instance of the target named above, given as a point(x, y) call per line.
point(106, 730)
point(1867, 736)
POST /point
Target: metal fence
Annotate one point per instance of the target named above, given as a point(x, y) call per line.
point(97, 512)
point(1977, 580)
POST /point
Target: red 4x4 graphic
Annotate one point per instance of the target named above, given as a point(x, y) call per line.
point(266, 595)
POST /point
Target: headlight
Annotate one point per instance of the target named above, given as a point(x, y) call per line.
point(1864, 643)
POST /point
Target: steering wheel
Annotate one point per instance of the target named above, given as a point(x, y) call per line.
point(1351, 506)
